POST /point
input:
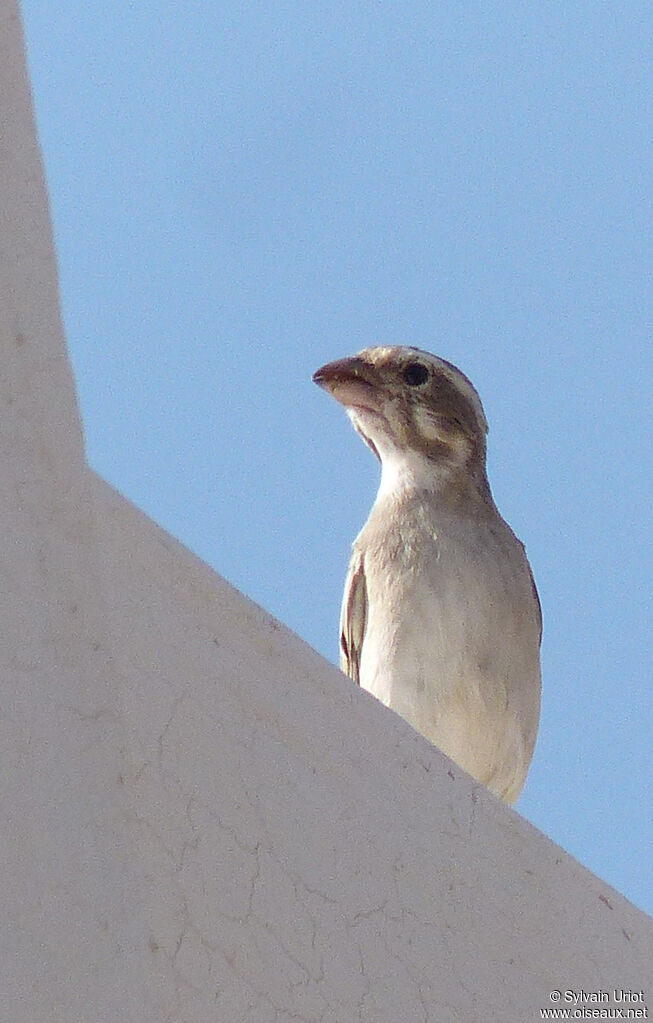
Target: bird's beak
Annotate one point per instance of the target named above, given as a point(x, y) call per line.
point(352, 382)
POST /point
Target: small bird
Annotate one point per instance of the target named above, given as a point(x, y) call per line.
point(440, 619)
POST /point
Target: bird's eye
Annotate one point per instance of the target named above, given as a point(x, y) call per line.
point(415, 374)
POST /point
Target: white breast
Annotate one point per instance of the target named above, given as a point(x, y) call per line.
point(452, 638)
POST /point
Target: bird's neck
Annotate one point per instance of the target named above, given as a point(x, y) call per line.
point(406, 473)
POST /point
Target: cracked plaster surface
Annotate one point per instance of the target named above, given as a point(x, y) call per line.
point(327, 863)
point(70, 941)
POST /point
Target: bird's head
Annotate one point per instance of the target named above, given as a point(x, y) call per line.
point(419, 414)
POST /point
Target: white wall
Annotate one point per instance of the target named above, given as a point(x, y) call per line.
point(201, 819)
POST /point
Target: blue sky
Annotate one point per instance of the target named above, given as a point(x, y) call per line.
point(242, 192)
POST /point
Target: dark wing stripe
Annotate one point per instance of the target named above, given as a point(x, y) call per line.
point(537, 600)
point(353, 618)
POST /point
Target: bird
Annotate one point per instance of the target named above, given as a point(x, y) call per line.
point(441, 619)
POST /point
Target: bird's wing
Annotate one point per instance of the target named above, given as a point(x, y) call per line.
point(353, 618)
point(537, 600)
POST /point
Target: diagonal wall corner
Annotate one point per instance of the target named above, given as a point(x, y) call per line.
point(201, 819)
point(71, 933)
